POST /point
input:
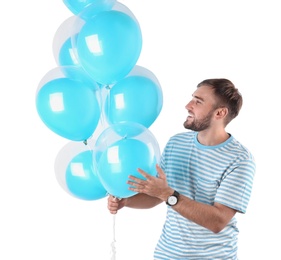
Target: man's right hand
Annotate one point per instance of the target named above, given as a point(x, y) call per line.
point(114, 204)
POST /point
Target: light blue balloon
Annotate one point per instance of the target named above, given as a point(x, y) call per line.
point(78, 6)
point(122, 159)
point(69, 107)
point(119, 131)
point(108, 46)
point(81, 178)
point(134, 99)
point(69, 64)
point(67, 56)
point(78, 74)
point(128, 129)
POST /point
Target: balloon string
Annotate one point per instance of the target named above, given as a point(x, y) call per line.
point(113, 248)
point(104, 93)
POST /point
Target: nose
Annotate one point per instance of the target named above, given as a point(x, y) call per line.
point(188, 106)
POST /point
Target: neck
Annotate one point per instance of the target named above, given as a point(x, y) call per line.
point(212, 137)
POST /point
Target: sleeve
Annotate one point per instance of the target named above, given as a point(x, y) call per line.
point(236, 187)
point(163, 156)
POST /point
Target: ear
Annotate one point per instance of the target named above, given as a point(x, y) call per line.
point(221, 112)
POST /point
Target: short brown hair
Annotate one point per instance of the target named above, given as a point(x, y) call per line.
point(227, 95)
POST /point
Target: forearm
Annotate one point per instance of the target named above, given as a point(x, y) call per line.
point(141, 201)
point(213, 217)
point(154, 190)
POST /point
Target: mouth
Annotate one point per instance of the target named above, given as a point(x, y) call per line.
point(189, 116)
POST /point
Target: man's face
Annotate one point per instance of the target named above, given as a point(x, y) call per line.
point(200, 109)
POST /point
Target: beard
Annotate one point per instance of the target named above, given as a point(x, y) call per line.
point(199, 124)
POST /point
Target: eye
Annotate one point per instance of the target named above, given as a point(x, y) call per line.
point(198, 101)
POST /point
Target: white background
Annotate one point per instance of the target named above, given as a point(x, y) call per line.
point(184, 42)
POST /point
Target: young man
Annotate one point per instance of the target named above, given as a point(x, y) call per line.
point(205, 177)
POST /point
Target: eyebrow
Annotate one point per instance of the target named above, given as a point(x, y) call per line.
point(198, 97)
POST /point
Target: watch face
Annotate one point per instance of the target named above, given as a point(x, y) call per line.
point(172, 200)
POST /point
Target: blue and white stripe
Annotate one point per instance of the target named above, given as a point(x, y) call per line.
point(223, 173)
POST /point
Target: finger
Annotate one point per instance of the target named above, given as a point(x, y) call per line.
point(136, 179)
point(143, 173)
point(160, 172)
point(113, 211)
point(135, 184)
point(112, 202)
point(109, 198)
point(113, 208)
point(135, 189)
point(113, 198)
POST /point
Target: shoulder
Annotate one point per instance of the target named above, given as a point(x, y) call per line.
point(241, 149)
point(180, 141)
point(184, 136)
point(243, 158)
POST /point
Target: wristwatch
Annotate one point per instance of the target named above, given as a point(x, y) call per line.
point(173, 199)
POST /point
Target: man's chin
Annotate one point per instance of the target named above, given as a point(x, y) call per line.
point(186, 125)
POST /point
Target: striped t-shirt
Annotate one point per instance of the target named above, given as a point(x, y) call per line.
point(222, 173)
